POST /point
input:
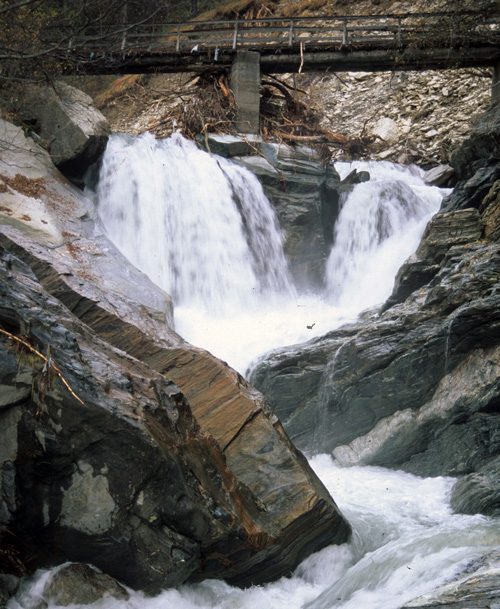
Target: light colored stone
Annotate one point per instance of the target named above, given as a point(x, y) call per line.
point(71, 127)
point(87, 505)
point(386, 130)
point(439, 176)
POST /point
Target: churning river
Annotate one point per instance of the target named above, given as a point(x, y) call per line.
point(203, 230)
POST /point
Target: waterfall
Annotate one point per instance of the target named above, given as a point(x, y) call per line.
point(200, 227)
point(407, 541)
point(379, 227)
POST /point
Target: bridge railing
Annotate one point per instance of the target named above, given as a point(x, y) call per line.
point(346, 32)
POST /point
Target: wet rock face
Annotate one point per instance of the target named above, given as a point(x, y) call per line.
point(479, 492)
point(306, 198)
point(120, 444)
point(416, 384)
point(73, 130)
point(81, 585)
point(110, 463)
point(304, 194)
point(357, 378)
point(478, 586)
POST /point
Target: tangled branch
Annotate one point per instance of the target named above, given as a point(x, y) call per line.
point(49, 368)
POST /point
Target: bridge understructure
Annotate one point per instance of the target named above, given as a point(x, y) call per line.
point(249, 48)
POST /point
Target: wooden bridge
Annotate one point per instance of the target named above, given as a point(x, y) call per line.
point(416, 41)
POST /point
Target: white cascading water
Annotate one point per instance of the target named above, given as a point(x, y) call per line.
point(379, 227)
point(202, 229)
point(406, 542)
point(184, 218)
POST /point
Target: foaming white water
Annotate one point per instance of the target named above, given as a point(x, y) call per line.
point(406, 542)
point(203, 230)
point(379, 227)
point(198, 226)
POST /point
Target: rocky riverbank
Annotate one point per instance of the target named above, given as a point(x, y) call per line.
point(415, 385)
point(122, 445)
point(91, 367)
point(413, 117)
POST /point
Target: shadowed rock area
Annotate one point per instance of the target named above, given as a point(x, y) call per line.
point(122, 445)
point(70, 127)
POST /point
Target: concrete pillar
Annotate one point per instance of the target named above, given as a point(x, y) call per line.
point(495, 85)
point(245, 84)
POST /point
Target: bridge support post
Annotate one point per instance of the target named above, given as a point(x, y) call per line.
point(245, 84)
point(495, 84)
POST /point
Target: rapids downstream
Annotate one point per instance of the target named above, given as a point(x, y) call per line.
point(203, 230)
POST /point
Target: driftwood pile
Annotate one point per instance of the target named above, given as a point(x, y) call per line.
point(206, 105)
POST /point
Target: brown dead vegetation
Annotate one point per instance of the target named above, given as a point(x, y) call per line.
point(10, 554)
point(240, 9)
point(119, 88)
point(30, 187)
point(305, 8)
point(206, 105)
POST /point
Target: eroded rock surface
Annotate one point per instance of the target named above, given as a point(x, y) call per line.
point(72, 129)
point(81, 585)
point(478, 586)
point(304, 193)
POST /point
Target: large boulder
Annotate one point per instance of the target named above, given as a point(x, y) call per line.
point(81, 585)
point(121, 444)
point(480, 492)
point(73, 130)
point(304, 195)
point(390, 376)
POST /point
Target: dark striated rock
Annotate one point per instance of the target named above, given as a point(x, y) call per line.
point(490, 213)
point(306, 197)
point(477, 586)
point(387, 387)
point(476, 163)
point(81, 585)
point(480, 147)
point(416, 386)
point(443, 231)
point(479, 493)
point(305, 194)
point(73, 130)
point(140, 454)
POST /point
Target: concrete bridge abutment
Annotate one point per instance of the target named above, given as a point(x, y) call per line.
point(245, 84)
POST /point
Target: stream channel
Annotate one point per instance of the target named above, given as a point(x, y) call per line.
point(203, 230)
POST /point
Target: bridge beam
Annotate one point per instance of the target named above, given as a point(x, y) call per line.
point(245, 84)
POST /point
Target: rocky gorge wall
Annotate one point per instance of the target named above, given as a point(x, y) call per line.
point(305, 194)
point(121, 444)
point(417, 117)
point(415, 385)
